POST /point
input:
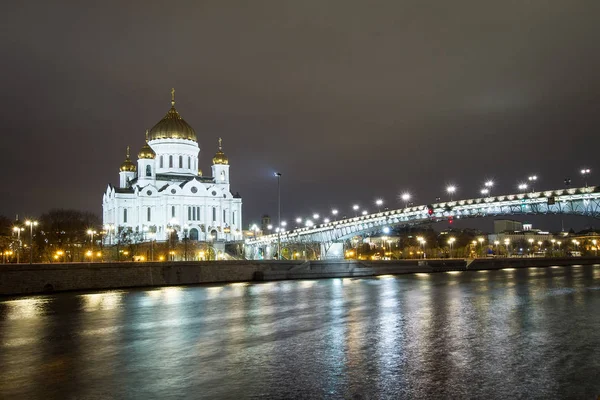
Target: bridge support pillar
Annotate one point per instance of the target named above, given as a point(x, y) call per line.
point(332, 251)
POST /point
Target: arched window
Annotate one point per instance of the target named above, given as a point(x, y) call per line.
point(161, 161)
point(189, 162)
point(223, 175)
point(148, 170)
point(180, 161)
point(173, 211)
point(170, 161)
point(149, 214)
point(215, 214)
point(125, 215)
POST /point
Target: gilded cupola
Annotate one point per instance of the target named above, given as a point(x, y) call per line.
point(127, 165)
point(172, 126)
point(146, 151)
point(220, 157)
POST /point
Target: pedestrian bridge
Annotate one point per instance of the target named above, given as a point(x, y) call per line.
point(572, 201)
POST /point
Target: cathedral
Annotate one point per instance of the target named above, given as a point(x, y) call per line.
point(165, 193)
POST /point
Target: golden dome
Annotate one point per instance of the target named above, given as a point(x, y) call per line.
point(146, 151)
point(220, 157)
point(127, 165)
point(172, 126)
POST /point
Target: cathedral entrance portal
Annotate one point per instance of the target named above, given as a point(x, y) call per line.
point(213, 234)
point(193, 234)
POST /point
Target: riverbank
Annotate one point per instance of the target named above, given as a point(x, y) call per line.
point(21, 279)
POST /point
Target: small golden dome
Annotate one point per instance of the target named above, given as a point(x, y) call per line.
point(199, 172)
point(146, 151)
point(220, 157)
point(127, 165)
point(172, 126)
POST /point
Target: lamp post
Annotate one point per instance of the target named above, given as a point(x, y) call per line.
point(532, 179)
point(507, 244)
point(522, 186)
point(480, 240)
point(405, 198)
point(186, 228)
point(91, 233)
point(151, 235)
point(378, 202)
point(31, 224)
point(489, 185)
point(278, 175)
point(585, 172)
point(334, 212)
point(355, 208)
point(451, 244)
point(422, 242)
point(530, 240)
point(451, 190)
point(18, 230)
point(595, 243)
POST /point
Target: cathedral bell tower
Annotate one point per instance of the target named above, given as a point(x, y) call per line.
point(146, 165)
point(126, 172)
point(220, 167)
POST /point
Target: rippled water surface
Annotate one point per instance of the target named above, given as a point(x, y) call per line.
point(532, 333)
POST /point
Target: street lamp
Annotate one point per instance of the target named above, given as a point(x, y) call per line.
point(378, 202)
point(530, 240)
point(18, 230)
point(326, 220)
point(278, 175)
point(334, 212)
point(186, 229)
point(522, 186)
point(451, 244)
point(451, 190)
point(355, 208)
point(506, 244)
point(364, 212)
point(405, 198)
point(315, 216)
point(480, 240)
point(585, 172)
point(31, 224)
point(91, 233)
point(485, 191)
point(595, 243)
point(422, 242)
point(532, 179)
point(309, 223)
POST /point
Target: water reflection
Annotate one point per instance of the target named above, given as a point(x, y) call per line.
point(491, 334)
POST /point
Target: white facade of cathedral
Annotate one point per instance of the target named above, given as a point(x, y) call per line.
point(166, 192)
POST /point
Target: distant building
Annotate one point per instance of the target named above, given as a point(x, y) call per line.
point(507, 225)
point(165, 192)
point(524, 235)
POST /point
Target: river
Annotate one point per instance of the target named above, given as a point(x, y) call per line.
point(526, 333)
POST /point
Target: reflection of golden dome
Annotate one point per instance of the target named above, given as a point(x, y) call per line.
point(146, 151)
point(127, 165)
point(199, 172)
point(172, 126)
point(220, 157)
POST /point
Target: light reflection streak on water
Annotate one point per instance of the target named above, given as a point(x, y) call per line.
point(30, 307)
point(101, 301)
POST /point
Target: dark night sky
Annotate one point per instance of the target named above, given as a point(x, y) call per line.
point(349, 100)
